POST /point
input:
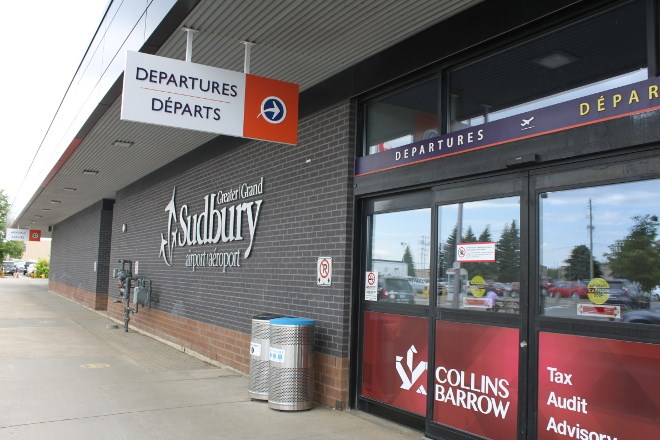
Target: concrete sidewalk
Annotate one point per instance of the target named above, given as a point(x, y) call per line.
point(64, 374)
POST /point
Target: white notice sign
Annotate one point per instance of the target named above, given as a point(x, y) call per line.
point(324, 271)
point(478, 252)
point(371, 286)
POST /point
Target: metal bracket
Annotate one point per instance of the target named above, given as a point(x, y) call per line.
point(189, 42)
point(246, 63)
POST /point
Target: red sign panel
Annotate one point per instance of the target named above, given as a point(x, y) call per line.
point(271, 110)
point(395, 360)
point(592, 388)
point(476, 379)
point(35, 235)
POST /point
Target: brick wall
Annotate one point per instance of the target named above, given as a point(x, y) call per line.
point(78, 243)
point(306, 213)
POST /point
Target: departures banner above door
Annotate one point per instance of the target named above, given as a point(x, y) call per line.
point(175, 93)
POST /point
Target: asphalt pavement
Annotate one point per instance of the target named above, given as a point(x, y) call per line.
point(67, 372)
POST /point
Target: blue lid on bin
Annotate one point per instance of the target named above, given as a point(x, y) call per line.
point(292, 321)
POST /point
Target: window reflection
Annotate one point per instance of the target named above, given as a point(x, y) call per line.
point(400, 253)
point(605, 51)
point(405, 117)
point(479, 255)
point(600, 254)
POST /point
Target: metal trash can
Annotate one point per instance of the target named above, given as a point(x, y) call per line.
point(291, 353)
point(259, 363)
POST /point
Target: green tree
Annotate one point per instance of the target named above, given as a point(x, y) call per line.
point(579, 264)
point(408, 259)
point(637, 257)
point(508, 254)
point(8, 249)
point(449, 249)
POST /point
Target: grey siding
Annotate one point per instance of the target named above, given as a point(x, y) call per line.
point(78, 243)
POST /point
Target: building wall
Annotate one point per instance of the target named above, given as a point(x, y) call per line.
point(36, 250)
point(306, 213)
point(78, 244)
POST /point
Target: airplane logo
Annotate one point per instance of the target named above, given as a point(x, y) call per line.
point(525, 124)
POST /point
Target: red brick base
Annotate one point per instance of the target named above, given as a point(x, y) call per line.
point(232, 348)
point(91, 300)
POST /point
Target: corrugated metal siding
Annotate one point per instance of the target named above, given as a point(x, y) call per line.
point(299, 41)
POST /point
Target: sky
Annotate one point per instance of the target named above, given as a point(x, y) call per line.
point(43, 43)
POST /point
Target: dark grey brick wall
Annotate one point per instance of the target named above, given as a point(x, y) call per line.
point(75, 248)
point(105, 246)
point(307, 212)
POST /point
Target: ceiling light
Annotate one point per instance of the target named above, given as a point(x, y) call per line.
point(45, 209)
point(38, 216)
point(55, 201)
point(555, 60)
point(122, 144)
point(90, 172)
point(69, 189)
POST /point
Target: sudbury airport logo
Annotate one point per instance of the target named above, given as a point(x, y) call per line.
point(214, 225)
point(408, 381)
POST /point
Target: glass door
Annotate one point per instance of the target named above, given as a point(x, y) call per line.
point(480, 293)
point(394, 307)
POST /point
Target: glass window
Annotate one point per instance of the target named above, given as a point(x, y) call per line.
point(602, 52)
point(400, 253)
point(402, 118)
point(600, 254)
point(481, 269)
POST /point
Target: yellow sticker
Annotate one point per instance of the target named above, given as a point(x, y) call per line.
point(598, 291)
point(478, 286)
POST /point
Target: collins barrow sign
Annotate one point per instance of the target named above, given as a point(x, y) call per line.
point(176, 93)
point(612, 104)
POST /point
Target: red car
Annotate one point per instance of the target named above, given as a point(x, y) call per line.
point(568, 289)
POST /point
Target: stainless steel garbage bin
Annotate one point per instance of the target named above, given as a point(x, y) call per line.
point(291, 373)
point(259, 362)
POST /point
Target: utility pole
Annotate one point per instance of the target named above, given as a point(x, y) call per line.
point(423, 251)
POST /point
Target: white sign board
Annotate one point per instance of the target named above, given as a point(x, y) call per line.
point(324, 271)
point(18, 234)
point(165, 91)
point(175, 93)
point(371, 286)
point(478, 252)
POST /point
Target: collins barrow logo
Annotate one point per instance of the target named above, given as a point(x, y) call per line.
point(273, 110)
point(407, 381)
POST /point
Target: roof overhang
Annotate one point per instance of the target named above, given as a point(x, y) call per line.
point(295, 41)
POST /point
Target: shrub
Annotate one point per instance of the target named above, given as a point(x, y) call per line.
point(42, 268)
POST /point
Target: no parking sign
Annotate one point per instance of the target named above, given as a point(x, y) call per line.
point(324, 271)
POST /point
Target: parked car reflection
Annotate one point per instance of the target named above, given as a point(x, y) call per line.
point(568, 289)
point(394, 289)
point(642, 316)
point(627, 294)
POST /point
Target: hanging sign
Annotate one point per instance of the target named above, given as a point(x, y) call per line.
point(17, 234)
point(174, 93)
